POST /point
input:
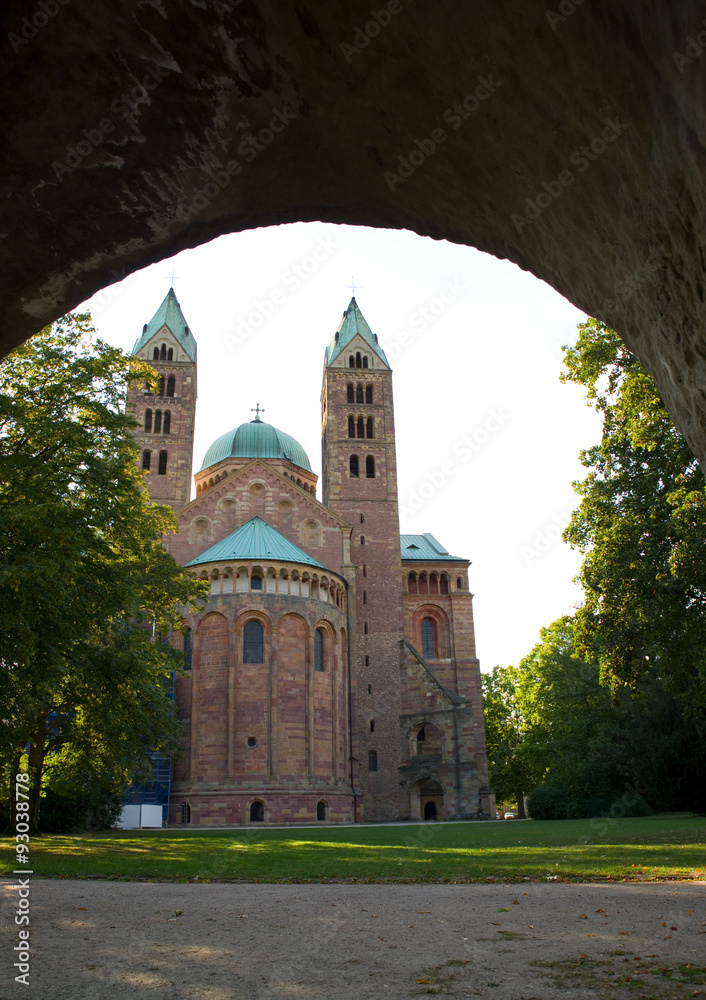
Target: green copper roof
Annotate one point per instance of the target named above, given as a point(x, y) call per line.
point(353, 322)
point(256, 539)
point(170, 315)
point(256, 440)
point(425, 548)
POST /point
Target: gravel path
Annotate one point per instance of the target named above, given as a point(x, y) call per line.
point(109, 941)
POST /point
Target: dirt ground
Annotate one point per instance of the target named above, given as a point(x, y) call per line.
point(111, 941)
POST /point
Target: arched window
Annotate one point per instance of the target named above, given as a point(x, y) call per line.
point(256, 584)
point(155, 354)
point(171, 384)
point(359, 393)
point(365, 628)
point(188, 649)
point(362, 518)
point(170, 354)
point(146, 459)
point(365, 570)
point(160, 385)
point(368, 394)
point(148, 421)
point(412, 583)
point(351, 427)
point(349, 388)
point(365, 597)
point(370, 427)
point(357, 360)
point(362, 539)
point(351, 362)
point(318, 650)
point(353, 466)
point(372, 760)
point(428, 649)
point(420, 735)
point(185, 807)
point(372, 725)
point(148, 389)
point(163, 353)
point(253, 643)
point(158, 421)
point(459, 583)
point(167, 422)
point(444, 584)
point(162, 470)
point(361, 428)
point(365, 361)
point(257, 812)
point(370, 467)
point(321, 811)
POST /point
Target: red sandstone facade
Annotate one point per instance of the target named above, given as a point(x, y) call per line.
point(332, 675)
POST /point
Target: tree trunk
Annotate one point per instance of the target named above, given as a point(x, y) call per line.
point(521, 814)
point(35, 767)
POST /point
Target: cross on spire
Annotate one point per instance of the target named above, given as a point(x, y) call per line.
point(173, 277)
point(353, 286)
point(257, 410)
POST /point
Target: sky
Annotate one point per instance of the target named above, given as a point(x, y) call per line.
point(488, 439)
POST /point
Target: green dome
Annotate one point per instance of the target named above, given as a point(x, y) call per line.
point(256, 440)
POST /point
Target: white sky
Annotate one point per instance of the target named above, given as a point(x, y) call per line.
point(476, 385)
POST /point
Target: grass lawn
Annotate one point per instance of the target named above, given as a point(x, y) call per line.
point(658, 847)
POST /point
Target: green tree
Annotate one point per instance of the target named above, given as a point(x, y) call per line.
point(640, 526)
point(87, 589)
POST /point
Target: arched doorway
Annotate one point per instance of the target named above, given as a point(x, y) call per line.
point(430, 809)
point(427, 799)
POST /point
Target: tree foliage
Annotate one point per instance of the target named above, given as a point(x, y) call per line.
point(86, 586)
point(641, 527)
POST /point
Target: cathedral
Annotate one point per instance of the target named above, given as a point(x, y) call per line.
point(332, 676)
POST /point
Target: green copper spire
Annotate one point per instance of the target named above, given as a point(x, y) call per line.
point(353, 323)
point(170, 315)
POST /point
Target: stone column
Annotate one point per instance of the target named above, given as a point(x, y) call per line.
point(232, 668)
point(272, 720)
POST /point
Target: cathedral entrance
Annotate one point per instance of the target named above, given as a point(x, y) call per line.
point(429, 810)
point(427, 799)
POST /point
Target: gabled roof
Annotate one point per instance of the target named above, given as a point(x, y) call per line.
point(353, 322)
point(170, 315)
point(256, 539)
point(425, 548)
point(256, 439)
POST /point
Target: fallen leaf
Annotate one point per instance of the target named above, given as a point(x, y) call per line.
point(583, 917)
point(495, 923)
point(624, 932)
point(373, 914)
point(80, 907)
point(664, 923)
point(429, 911)
point(674, 928)
point(425, 980)
point(583, 955)
point(600, 910)
point(515, 902)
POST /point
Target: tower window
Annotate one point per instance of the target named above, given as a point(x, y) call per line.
point(349, 389)
point(370, 467)
point(354, 467)
point(428, 651)
point(185, 807)
point(321, 810)
point(368, 394)
point(365, 628)
point(459, 583)
point(357, 360)
point(365, 597)
point(370, 427)
point(372, 725)
point(162, 470)
point(362, 518)
point(318, 650)
point(253, 643)
point(351, 362)
point(163, 353)
point(361, 429)
point(365, 570)
point(367, 664)
point(372, 760)
point(160, 385)
point(170, 354)
point(188, 649)
point(171, 384)
point(362, 539)
point(257, 812)
point(359, 393)
point(365, 361)
point(158, 421)
point(255, 583)
point(148, 421)
point(351, 427)
point(167, 422)
point(146, 459)
point(155, 354)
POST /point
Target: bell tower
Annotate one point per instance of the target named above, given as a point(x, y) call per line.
point(360, 484)
point(165, 415)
